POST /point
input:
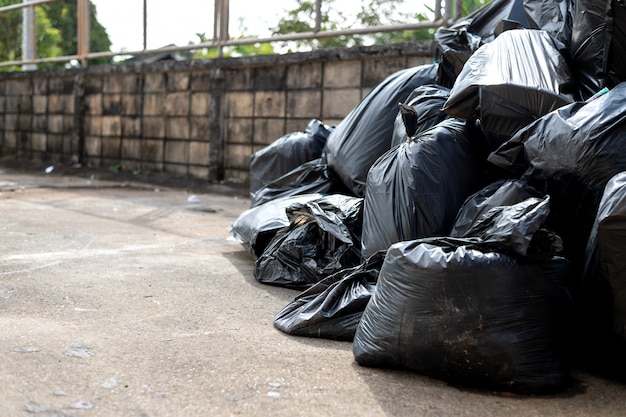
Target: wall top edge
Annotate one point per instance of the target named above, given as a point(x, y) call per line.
point(421, 48)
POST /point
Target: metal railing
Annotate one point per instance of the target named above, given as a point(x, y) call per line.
point(443, 10)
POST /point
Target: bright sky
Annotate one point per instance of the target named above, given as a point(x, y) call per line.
point(177, 22)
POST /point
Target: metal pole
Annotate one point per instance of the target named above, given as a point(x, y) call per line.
point(216, 19)
point(437, 9)
point(448, 10)
point(28, 36)
point(145, 25)
point(217, 24)
point(458, 9)
point(83, 30)
point(224, 35)
point(318, 16)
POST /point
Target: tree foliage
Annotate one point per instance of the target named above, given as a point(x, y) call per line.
point(370, 13)
point(231, 51)
point(56, 28)
point(63, 16)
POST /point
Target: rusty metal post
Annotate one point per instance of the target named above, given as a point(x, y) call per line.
point(82, 30)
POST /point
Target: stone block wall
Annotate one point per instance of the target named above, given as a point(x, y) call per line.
point(196, 119)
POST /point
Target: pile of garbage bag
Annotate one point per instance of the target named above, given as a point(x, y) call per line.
point(466, 219)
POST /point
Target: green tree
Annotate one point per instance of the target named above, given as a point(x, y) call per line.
point(371, 13)
point(48, 37)
point(63, 16)
point(302, 19)
point(55, 31)
point(10, 35)
point(233, 51)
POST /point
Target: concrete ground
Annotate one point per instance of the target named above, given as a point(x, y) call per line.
point(124, 298)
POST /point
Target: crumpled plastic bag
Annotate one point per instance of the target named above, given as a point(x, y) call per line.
point(332, 308)
point(456, 43)
point(571, 154)
point(256, 227)
point(287, 153)
point(309, 178)
point(508, 215)
point(499, 193)
point(421, 111)
point(322, 238)
point(510, 82)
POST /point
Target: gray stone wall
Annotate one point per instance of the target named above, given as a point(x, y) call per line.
point(196, 119)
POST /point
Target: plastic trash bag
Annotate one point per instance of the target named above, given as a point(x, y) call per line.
point(473, 310)
point(456, 43)
point(416, 189)
point(309, 178)
point(598, 45)
point(511, 82)
point(469, 316)
point(616, 70)
point(497, 194)
point(606, 260)
point(365, 133)
point(255, 227)
point(509, 215)
point(322, 238)
point(332, 308)
point(424, 110)
point(287, 153)
point(601, 302)
point(570, 154)
point(552, 16)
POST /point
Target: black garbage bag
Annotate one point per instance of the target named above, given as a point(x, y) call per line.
point(616, 70)
point(332, 308)
point(309, 178)
point(570, 154)
point(497, 194)
point(514, 227)
point(465, 314)
point(601, 305)
point(510, 215)
point(256, 227)
point(553, 16)
point(287, 153)
point(416, 189)
point(510, 82)
point(598, 45)
point(365, 133)
point(423, 109)
point(322, 238)
point(456, 43)
point(606, 260)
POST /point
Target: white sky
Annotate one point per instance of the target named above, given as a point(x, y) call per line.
point(177, 22)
